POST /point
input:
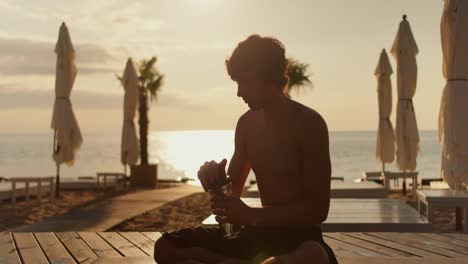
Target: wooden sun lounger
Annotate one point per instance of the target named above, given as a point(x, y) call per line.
point(342, 189)
point(137, 247)
point(364, 215)
point(27, 186)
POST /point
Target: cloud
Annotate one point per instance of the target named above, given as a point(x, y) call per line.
point(13, 96)
point(28, 57)
point(120, 20)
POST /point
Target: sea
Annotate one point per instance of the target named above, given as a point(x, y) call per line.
point(179, 154)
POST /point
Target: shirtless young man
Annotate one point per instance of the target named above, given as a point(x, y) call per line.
point(286, 144)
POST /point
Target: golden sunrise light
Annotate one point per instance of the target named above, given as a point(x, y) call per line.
point(233, 131)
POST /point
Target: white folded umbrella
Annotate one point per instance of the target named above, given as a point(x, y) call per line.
point(67, 135)
point(385, 147)
point(129, 145)
point(404, 50)
point(453, 115)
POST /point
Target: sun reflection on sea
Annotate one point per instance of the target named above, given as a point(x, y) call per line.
point(186, 151)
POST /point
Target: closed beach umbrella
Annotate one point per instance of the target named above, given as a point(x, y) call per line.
point(453, 115)
point(67, 135)
point(130, 148)
point(404, 50)
point(385, 150)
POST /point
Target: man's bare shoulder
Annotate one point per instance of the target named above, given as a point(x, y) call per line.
point(308, 118)
point(245, 121)
point(247, 118)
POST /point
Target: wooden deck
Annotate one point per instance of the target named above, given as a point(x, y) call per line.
point(137, 247)
point(343, 189)
point(364, 215)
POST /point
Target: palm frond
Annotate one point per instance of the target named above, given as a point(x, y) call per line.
point(150, 79)
point(155, 86)
point(298, 75)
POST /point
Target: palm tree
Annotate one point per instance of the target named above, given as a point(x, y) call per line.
point(149, 84)
point(298, 76)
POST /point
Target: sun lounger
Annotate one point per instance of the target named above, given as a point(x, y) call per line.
point(444, 198)
point(343, 189)
point(364, 215)
point(119, 177)
point(26, 186)
point(413, 176)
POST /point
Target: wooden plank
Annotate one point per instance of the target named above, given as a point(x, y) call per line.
point(439, 243)
point(121, 244)
point(390, 260)
point(152, 235)
point(141, 241)
point(416, 241)
point(376, 227)
point(457, 242)
point(391, 244)
point(127, 260)
point(29, 249)
point(77, 247)
point(341, 248)
point(368, 245)
point(8, 253)
point(374, 219)
point(53, 248)
point(99, 245)
point(463, 237)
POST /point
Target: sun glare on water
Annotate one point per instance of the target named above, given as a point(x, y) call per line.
point(186, 151)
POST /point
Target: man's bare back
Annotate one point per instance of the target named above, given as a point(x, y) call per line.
point(274, 146)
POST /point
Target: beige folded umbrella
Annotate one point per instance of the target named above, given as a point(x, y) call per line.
point(67, 135)
point(385, 148)
point(453, 115)
point(404, 50)
point(129, 148)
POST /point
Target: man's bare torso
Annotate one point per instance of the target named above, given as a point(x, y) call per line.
point(274, 151)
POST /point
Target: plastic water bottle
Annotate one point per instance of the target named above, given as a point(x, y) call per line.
point(225, 189)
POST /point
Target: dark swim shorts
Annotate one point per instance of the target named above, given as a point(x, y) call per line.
point(254, 244)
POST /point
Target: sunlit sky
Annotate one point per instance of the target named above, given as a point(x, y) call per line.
point(340, 39)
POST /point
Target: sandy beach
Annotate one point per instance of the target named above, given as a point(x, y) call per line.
point(35, 210)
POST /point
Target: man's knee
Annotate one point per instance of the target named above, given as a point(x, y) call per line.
point(305, 253)
point(310, 250)
point(164, 251)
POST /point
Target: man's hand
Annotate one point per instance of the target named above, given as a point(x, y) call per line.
point(212, 174)
point(230, 209)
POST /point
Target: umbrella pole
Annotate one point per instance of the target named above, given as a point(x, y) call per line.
point(57, 183)
point(458, 218)
point(57, 179)
point(458, 215)
point(404, 185)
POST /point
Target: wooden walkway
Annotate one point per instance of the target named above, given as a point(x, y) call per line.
point(364, 215)
point(103, 215)
point(137, 247)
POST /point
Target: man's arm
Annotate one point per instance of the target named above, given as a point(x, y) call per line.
point(316, 181)
point(239, 166)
